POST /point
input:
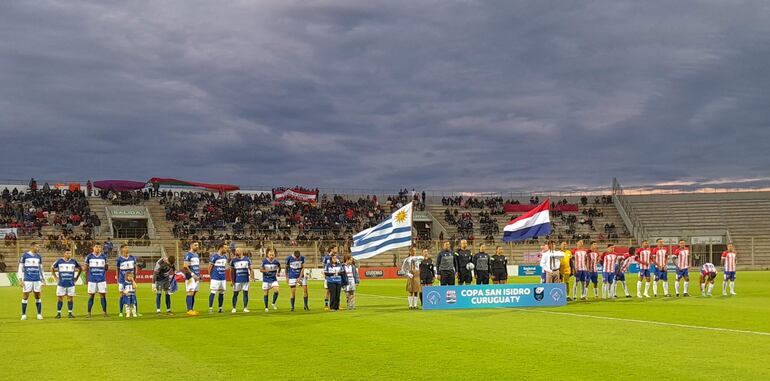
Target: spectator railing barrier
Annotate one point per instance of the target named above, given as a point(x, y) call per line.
point(754, 257)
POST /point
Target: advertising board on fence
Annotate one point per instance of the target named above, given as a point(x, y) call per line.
point(494, 296)
point(5, 231)
point(379, 273)
point(529, 270)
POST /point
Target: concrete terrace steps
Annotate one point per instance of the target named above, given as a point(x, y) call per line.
point(746, 216)
point(97, 206)
point(163, 227)
point(11, 255)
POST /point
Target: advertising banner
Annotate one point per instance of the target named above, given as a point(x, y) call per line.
point(494, 296)
point(379, 273)
point(529, 270)
point(6, 231)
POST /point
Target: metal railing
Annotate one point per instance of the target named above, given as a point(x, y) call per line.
point(754, 249)
point(634, 224)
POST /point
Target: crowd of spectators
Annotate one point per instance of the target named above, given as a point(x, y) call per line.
point(606, 199)
point(30, 211)
point(488, 226)
point(213, 218)
point(593, 212)
point(404, 196)
point(254, 218)
point(125, 197)
point(494, 204)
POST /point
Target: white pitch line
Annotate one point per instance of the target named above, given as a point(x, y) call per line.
point(730, 330)
point(649, 322)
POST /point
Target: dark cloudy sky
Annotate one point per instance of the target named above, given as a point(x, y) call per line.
point(460, 95)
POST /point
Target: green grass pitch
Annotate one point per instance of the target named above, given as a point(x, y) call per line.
point(620, 339)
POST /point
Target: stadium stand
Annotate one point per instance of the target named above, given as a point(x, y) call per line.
point(740, 217)
point(595, 220)
point(60, 218)
point(54, 217)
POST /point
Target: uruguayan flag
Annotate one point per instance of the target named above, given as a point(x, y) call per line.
point(394, 232)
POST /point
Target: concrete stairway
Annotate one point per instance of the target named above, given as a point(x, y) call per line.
point(746, 215)
point(98, 206)
point(163, 228)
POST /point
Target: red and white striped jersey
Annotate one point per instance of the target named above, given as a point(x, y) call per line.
point(660, 257)
point(608, 262)
point(682, 257)
point(708, 268)
point(593, 260)
point(580, 256)
point(729, 258)
point(643, 257)
point(625, 262)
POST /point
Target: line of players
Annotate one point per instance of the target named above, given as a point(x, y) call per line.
point(463, 266)
point(242, 274)
point(67, 270)
point(583, 264)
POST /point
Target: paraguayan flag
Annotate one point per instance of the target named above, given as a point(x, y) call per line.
point(394, 232)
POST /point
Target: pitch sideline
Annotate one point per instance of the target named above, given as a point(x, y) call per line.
point(660, 323)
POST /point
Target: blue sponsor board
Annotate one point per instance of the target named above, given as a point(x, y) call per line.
point(494, 296)
point(529, 270)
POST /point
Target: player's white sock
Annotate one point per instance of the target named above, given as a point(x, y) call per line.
point(724, 288)
point(596, 292)
point(655, 288)
point(614, 290)
point(686, 287)
point(732, 287)
point(625, 288)
point(711, 288)
point(665, 288)
point(604, 290)
point(702, 287)
point(411, 298)
point(676, 287)
point(638, 289)
point(583, 290)
point(574, 290)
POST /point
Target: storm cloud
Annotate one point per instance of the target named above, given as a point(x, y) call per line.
point(455, 95)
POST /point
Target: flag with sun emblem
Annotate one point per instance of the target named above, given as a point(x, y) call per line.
point(394, 232)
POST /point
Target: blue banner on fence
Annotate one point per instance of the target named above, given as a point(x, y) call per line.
point(529, 270)
point(494, 296)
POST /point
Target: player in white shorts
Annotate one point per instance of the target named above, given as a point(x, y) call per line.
point(125, 264)
point(241, 275)
point(295, 276)
point(66, 271)
point(192, 271)
point(30, 273)
point(218, 272)
point(96, 277)
point(270, 269)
